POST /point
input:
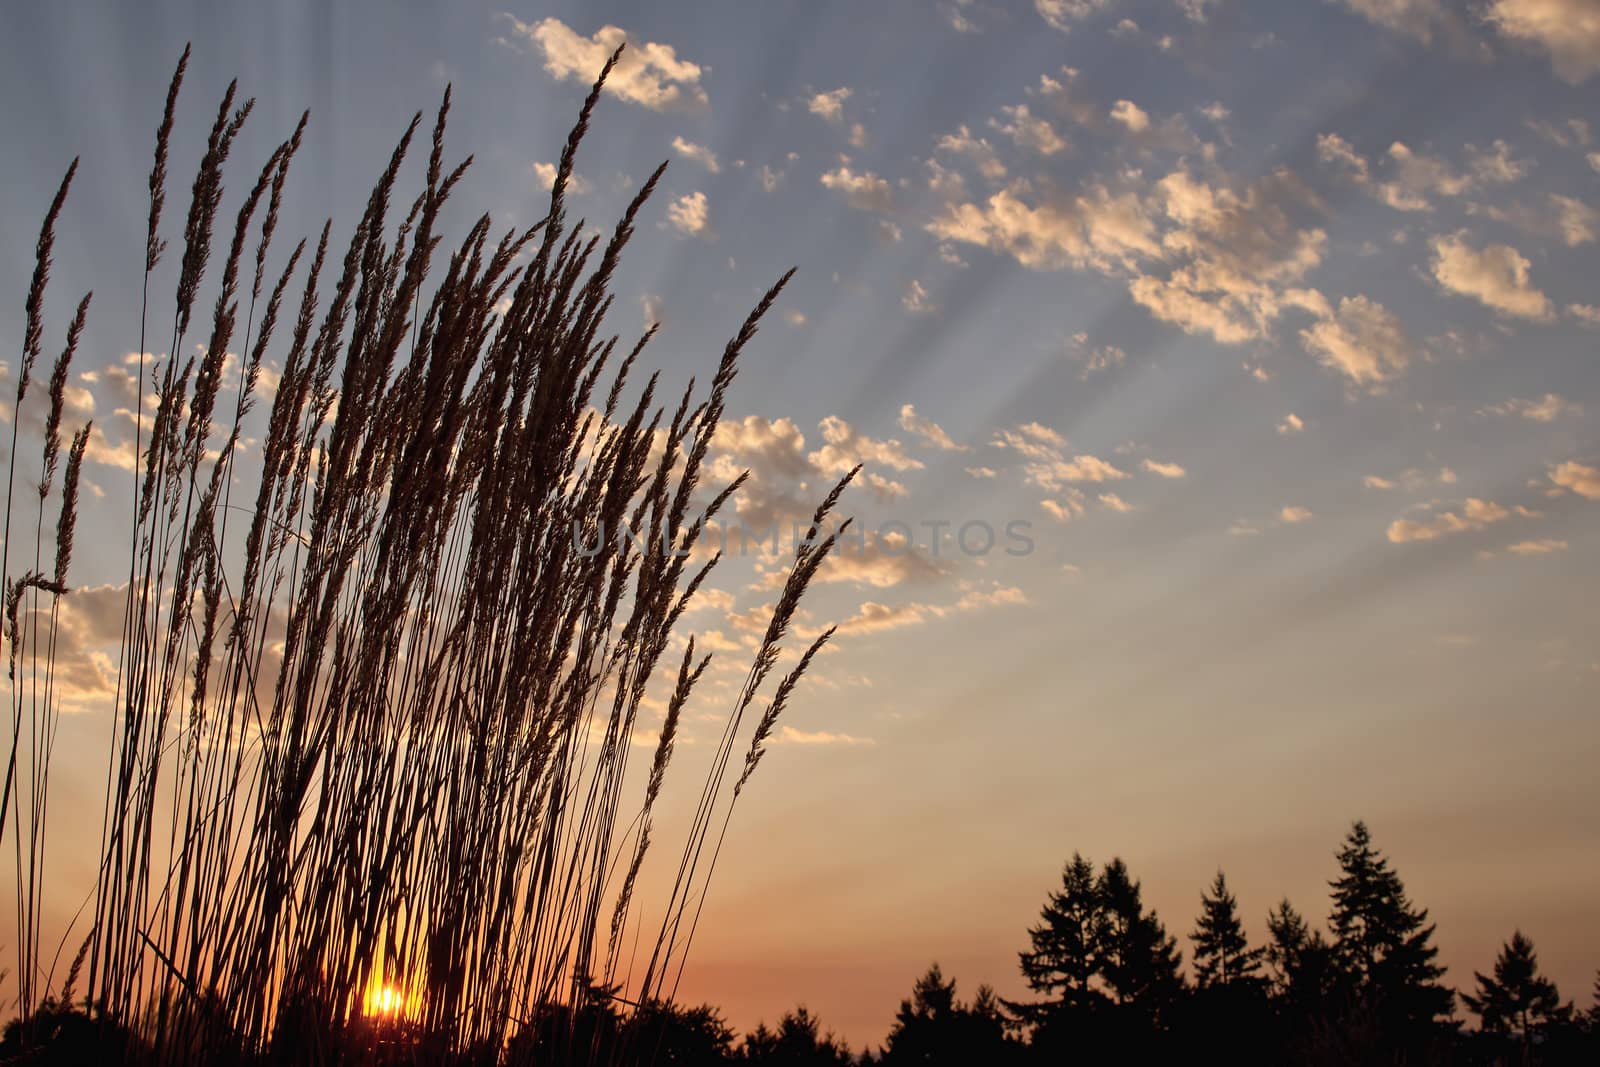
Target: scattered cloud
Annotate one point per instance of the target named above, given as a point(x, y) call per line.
point(577, 185)
point(688, 214)
point(648, 74)
point(1061, 14)
point(1295, 514)
point(1029, 130)
point(1547, 408)
point(1165, 470)
point(928, 431)
point(1541, 547)
point(697, 153)
point(917, 301)
point(1496, 276)
point(1474, 514)
point(1131, 115)
point(1568, 30)
point(864, 191)
point(1578, 477)
point(1362, 340)
point(830, 105)
point(1291, 423)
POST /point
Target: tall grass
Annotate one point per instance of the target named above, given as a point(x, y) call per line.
point(373, 745)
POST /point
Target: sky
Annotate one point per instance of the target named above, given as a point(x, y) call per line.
point(1268, 328)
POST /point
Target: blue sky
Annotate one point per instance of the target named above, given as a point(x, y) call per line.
point(1277, 322)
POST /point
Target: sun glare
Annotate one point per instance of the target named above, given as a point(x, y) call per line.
point(388, 1001)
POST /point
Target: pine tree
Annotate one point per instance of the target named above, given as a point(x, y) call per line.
point(1382, 944)
point(1222, 954)
point(1517, 1000)
point(933, 1027)
point(1066, 943)
point(1298, 957)
point(1139, 961)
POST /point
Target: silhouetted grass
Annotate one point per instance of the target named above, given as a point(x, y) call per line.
point(367, 785)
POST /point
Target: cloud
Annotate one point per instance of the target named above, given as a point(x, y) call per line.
point(688, 214)
point(865, 191)
point(1587, 314)
point(844, 447)
point(1131, 115)
point(1165, 470)
point(1547, 408)
point(546, 175)
point(1569, 30)
point(698, 153)
point(928, 431)
point(1115, 502)
point(1414, 18)
point(1496, 276)
point(1474, 514)
point(977, 149)
point(1416, 178)
point(1362, 340)
point(830, 105)
point(648, 74)
point(1238, 253)
point(788, 735)
point(1578, 477)
point(983, 472)
point(1543, 546)
point(1060, 14)
point(1562, 218)
point(1294, 514)
point(1029, 130)
point(1291, 423)
point(1373, 481)
point(917, 301)
point(875, 617)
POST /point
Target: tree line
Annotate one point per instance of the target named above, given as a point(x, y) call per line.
point(1107, 983)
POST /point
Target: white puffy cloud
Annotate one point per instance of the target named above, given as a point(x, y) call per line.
point(1578, 477)
point(689, 213)
point(1362, 340)
point(1131, 115)
point(648, 74)
point(1060, 14)
point(830, 105)
point(1496, 276)
point(545, 173)
point(864, 191)
point(697, 153)
point(1165, 470)
point(1569, 30)
point(1029, 130)
point(1291, 423)
point(1295, 514)
point(1474, 514)
point(928, 431)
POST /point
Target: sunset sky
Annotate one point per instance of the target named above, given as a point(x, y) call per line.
point(1273, 324)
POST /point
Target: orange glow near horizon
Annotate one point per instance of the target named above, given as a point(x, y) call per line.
point(390, 1002)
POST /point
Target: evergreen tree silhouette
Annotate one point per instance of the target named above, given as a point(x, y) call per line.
point(1065, 959)
point(1382, 945)
point(1222, 954)
point(1139, 960)
point(933, 1027)
point(1300, 959)
point(1517, 1000)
